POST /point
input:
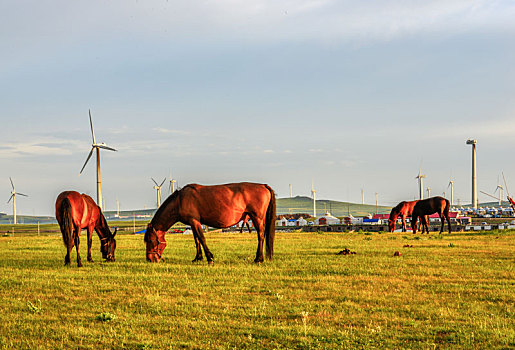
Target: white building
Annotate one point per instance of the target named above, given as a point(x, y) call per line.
point(327, 219)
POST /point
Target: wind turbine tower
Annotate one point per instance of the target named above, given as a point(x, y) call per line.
point(428, 192)
point(158, 189)
point(501, 193)
point(314, 195)
point(474, 177)
point(13, 197)
point(96, 147)
point(291, 191)
point(451, 185)
point(172, 184)
point(362, 196)
point(420, 184)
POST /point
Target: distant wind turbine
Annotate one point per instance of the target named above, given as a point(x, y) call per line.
point(13, 197)
point(420, 183)
point(96, 147)
point(171, 188)
point(314, 195)
point(158, 189)
point(451, 185)
point(428, 192)
point(501, 191)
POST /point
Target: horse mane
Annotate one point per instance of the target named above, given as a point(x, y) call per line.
point(396, 210)
point(168, 201)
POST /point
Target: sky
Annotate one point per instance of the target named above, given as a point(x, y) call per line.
point(348, 95)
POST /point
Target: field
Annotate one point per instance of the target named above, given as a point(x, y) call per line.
point(448, 291)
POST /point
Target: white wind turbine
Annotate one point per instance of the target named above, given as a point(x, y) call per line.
point(96, 147)
point(13, 197)
point(420, 183)
point(314, 195)
point(158, 189)
point(172, 184)
point(428, 192)
point(451, 185)
point(501, 191)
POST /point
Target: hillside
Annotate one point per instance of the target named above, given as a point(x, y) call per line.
point(302, 204)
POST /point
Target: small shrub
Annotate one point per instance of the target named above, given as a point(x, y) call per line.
point(367, 238)
point(451, 245)
point(106, 317)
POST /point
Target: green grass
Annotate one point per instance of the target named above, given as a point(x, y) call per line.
point(449, 291)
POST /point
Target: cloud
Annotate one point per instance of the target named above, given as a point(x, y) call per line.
point(40, 147)
point(172, 131)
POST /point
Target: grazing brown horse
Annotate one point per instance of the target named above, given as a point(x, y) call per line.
point(74, 212)
point(218, 206)
point(403, 209)
point(430, 206)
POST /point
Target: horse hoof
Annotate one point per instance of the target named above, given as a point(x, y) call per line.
point(210, 262)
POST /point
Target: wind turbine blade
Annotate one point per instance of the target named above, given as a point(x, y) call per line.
point(12, 195)
point(154, 181)
point(488, 194)
point(86, 162)
point(505, 184)
point(106, 147)
point(91, 124)
point(21, 194)
point(11, 182)
point(162, 182)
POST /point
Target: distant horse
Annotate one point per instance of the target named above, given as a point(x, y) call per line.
point(218, 206)
point(403, 209)
point(245, 222)
point(74, 212)
point(430, 206)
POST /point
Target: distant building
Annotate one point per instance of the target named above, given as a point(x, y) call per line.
point(327, 219)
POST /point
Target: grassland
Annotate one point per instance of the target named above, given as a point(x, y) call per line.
point(449, 291)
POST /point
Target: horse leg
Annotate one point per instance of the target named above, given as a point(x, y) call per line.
point(69, 248)
point(403, 218)
point(90, 242)
point(448, 221)
point(260, 229)
point(196, 226)
point(77, 242)
point(198, 256)
point(414, 223)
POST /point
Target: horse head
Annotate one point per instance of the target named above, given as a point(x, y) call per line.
point(156, 243)
point(108, 245)
point(391, 225)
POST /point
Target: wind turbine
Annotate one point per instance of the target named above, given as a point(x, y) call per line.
point(420, 183)
point(451, 185)
point(96, 147)
point(428, 192)
point(158, 189)
point(363, 196)
point(501, 191)
point(13, 197)
point(291, 190)
point(172, 184)
point(474, 173)
point(314, 195)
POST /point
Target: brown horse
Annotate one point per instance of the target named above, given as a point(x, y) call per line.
point(403, 209)
point(430, 206)
point(219, 206)
point(74, 212)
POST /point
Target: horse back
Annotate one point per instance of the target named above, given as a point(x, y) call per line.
point(83, 207)
point(224, 205)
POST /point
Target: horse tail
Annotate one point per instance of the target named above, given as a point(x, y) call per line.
point(270, 224)
point(66, 222)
